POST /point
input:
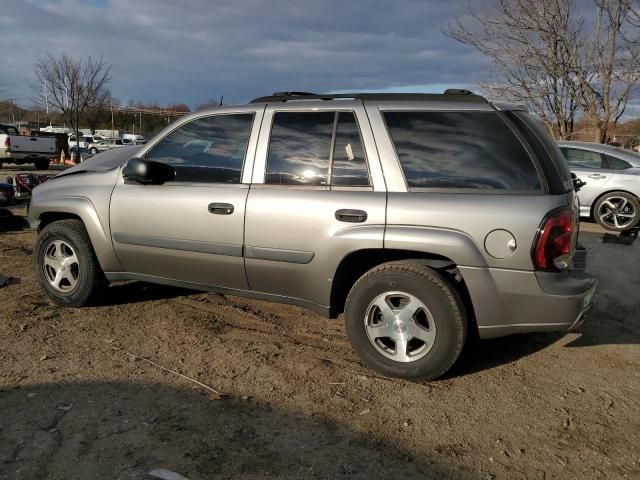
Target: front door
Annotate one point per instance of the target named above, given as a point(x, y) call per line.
point(191, 229)
point(313, 200)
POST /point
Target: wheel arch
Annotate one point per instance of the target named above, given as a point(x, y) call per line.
point(357, 263)
point(53, 209)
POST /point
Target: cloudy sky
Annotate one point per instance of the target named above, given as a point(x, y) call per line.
point(193, 50)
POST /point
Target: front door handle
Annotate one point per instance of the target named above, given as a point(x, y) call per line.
point(221, 208)
point(351, 216)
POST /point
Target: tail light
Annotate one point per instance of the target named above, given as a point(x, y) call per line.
point(556, 240)
point(7, 142)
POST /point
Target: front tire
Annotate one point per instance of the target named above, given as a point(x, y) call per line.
point(617, 211)
point(66, 265)
point(405, 320)
point(93, 151)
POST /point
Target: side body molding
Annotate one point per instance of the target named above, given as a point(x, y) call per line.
point(82, 207)
point(452, 244)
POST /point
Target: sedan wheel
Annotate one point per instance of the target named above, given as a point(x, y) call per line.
point(618, 211)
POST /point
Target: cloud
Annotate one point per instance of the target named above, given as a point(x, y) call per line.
point(192, 50)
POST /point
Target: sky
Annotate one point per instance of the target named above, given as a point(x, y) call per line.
point(190, 51)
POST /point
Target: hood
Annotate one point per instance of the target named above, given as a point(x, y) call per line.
point(107, 160)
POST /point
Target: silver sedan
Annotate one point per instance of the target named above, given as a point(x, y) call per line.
point(612, 175)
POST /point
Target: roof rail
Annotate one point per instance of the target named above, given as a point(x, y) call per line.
point(451, 95)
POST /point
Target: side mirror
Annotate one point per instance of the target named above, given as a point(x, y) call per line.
point(147, 172)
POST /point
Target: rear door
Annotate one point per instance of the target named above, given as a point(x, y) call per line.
point(191, 229)
point(317, 195)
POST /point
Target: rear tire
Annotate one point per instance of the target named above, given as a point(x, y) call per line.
point(66, 265)
point(617, 211)
point(93, 151)
point(42, 163)
point(422, 333)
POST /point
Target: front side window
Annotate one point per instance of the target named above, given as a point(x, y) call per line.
point(474, 150)
point(582, 158)
point(207, 150)
point(316, 149)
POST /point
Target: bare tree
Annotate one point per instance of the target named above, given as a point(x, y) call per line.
point(70, 86)
point(530, 45)
point(607, 66)
point(98, 110)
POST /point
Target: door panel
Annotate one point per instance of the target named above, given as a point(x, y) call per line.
point(596, 182)
point(168, 231)
point(294, 242)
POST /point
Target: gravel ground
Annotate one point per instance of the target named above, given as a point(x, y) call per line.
point(79, 400)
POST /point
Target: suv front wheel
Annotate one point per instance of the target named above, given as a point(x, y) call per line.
point(66, 265)
point(405, 320)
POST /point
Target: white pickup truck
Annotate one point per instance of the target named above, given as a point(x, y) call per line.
point(20, 149)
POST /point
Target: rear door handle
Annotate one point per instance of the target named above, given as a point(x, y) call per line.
point(221, 208)
point(597, 176)
point(351, 216)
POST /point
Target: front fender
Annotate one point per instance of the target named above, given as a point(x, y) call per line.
point(82, 207)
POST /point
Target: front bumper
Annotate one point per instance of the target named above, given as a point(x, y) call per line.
point(514, 301)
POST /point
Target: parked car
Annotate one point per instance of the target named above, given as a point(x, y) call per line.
point(21, 149)
point(611, 195)
point(108, 144)
point(135, 139)
point(90, 142)
point(426, 219)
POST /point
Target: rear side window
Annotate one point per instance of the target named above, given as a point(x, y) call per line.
point(316, 149)
point(616, 163)
point(206, 150)
point(474, 150)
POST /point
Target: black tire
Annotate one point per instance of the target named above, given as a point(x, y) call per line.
point(617, 199)
point(42, 163)
point(90, 278)
point(429, 287)
point(93, 151)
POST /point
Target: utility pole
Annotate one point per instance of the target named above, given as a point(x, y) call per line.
point(112, 126)
point(140, 121)
point(13, 116)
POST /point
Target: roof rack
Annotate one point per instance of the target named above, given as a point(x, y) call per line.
point(450, 95)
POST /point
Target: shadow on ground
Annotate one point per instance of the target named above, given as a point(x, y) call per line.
point(124, 430)
point(12, 223)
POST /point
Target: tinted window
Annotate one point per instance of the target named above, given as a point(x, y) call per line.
point(349, 161)
point(582, 158)
point(616, 163)
point(299, 148)
point(461, 150)
point(546, 149)
point(209, 149)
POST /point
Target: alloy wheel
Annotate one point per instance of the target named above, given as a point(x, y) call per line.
point(400, 326)
point(61, 266)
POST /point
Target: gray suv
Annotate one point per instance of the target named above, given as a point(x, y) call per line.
point(426, 219)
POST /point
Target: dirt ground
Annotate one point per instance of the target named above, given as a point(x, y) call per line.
point(75, 403)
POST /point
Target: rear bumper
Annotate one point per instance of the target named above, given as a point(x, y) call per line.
point(514, 301)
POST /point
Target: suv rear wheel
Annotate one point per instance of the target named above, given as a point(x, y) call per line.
point(405, 320)
point(66, 265)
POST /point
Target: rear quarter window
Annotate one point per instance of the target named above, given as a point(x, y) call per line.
point(461, 150)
